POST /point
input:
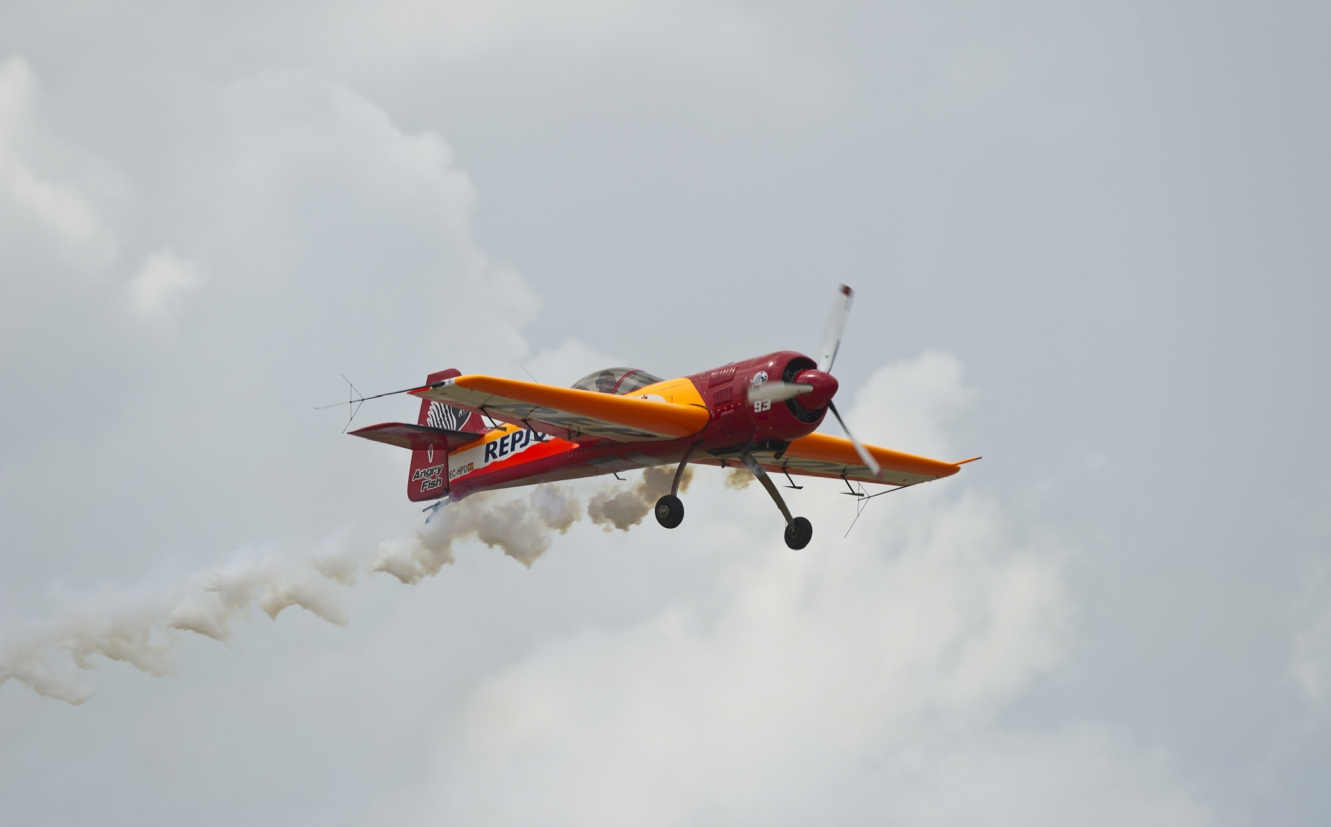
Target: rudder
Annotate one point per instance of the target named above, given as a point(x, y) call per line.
point(428, 477)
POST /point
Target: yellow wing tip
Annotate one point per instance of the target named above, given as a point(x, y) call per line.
point(964, 461)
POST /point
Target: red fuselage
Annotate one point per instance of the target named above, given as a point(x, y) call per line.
point(522, 456)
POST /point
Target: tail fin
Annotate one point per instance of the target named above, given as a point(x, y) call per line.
point(448, 417)
point(428, 477)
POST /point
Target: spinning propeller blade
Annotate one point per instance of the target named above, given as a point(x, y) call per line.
point(836, 325)
point(869, 461)
point(777, 391)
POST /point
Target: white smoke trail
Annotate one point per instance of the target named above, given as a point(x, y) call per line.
point(521, 529)
point(624, 507)
point(143, 629)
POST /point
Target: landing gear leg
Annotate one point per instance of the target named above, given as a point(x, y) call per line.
point(799, 531)
point(669, 510)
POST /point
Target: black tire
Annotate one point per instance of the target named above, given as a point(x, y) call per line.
point(799, 533)
point(669, 511)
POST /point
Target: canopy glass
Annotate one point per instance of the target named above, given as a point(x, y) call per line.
point(616, 380)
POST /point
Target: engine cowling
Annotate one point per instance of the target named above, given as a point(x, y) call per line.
point(737, 418)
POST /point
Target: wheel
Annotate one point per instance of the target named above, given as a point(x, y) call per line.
point(669, 511)
point(798, 533)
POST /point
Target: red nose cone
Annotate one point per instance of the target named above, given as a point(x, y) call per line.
point(824, 388)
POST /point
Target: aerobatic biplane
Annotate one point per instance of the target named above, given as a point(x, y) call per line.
point(761, 412)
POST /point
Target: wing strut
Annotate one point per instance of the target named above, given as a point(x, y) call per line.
point(786, 471)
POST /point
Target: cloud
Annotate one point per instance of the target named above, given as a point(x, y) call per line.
point(349, 226)
point(859, 676)
point(567, 363)
point(865, 679)
point(331, 240)
point(1310, 662)
point(326, 239)
point(162, 285)
point(914, 405)
point(45, 180)
point(1080, 774)
point(717, 36)
point(795, 670)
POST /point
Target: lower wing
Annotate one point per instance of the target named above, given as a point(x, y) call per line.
point(823, 455)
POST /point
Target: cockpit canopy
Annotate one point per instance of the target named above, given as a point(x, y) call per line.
point(616, 380)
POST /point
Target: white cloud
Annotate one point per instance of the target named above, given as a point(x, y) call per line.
point(33, 181)
point(567, 363)
point(717, 36)
point(863, 678)
point(162, 285)
point(814, 666)
point(1310, 664)
point(327, 235)
point(351, 227)
point(1078, 775)
point(914, 405)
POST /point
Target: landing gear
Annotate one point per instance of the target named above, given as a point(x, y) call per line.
point(799, 532)
point(670, 512)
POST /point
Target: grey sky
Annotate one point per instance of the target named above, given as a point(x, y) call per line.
point(1087, 243)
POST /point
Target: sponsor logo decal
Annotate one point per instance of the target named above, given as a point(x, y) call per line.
point(446, 417)
point(510, 443)
point(504, 447)
point(429, 478)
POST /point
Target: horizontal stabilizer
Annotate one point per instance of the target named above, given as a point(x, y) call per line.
point(417, 437)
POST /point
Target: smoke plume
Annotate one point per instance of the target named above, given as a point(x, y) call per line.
point(142, 629)
point(737, 479)
point(625, 506)
point(521, 528)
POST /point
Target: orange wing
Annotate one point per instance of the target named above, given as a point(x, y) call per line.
point(570, 413)
point(823, 455)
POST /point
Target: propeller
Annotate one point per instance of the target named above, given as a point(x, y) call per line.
point(869, 461)
point(778, 391)
point(821, 379)
point(836, 325)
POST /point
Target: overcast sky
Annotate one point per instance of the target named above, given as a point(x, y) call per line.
point(1089, 244)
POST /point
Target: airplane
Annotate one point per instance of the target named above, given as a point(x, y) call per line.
point(762, 413)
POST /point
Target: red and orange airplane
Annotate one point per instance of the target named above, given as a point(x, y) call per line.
point(762, 412)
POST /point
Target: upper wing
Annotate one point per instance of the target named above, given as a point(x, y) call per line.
point(416, 437)
point(569, 413)
point(823, 455)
